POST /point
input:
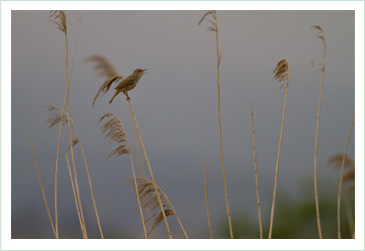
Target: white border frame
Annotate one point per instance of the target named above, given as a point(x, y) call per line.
point(30, 244)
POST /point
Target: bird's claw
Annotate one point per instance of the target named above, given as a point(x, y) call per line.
point(128, 98)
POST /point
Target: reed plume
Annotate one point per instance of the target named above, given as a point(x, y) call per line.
point(281, 74)
point(59, 18)
point(150, 203)
point(322, 69)
point(102, 66)
point(211, 17)
point(349, 167)
point(115, 132)
point(104, 69)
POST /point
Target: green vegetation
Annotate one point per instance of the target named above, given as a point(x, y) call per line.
point(295, 218)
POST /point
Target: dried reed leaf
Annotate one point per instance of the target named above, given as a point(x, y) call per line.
point(115, 132)
point(150, 202)
point(59, 17)
point(75, 141)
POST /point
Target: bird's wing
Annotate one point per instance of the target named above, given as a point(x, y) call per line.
point(125, 83)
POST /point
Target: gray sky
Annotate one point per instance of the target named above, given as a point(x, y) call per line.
point(175, 106)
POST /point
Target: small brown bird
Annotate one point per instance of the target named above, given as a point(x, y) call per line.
point(128, 83)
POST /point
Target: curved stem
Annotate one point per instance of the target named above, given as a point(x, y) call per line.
point(150, 170)
point(340, 182)
point(138, 197)
point(40, 182)
point(316, 138)
point(277, 162)
point(90, 185)
point(75, 197)
point(220, 140)
point(315, 158)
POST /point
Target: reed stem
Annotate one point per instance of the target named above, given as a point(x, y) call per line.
point(206, 200)
point(282, 73)
point(340, 183)
point(40, 182)
point(322, 37)
point(150, 169)
point(256, 178)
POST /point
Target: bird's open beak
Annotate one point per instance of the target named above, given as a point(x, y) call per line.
point(144, 70)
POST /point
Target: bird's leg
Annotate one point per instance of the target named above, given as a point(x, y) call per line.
point(126, 93)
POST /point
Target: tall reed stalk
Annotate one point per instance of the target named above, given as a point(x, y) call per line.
point(77, 200)
point(90, 184)
point(59, 18)
point(349, 214)
point(340, 182)
point(40, 182)
point(150, 170)
point(256, 178)
point(281, 73)
point(322, 69)
point(214, 28)
point(206, 200)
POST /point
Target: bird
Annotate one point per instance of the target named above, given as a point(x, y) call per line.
point(128, 83)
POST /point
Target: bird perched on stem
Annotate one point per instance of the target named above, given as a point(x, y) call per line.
point(128, 83)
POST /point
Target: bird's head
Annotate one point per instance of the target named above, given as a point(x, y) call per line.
point(139, 72)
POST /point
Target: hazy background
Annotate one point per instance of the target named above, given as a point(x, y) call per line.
point(175, 106)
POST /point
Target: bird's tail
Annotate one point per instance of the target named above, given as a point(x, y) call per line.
point(115, 94)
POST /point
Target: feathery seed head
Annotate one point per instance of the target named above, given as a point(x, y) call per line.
point(349, 175)
point(104, 69)
point(102, 66)
point(213, 14)
point(323, 38)
point(115, 132)
point(55, 116)
point(150, 202)
point(59, 17)
point(281, 71)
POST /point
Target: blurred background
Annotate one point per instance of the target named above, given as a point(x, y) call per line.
point(176, 109)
